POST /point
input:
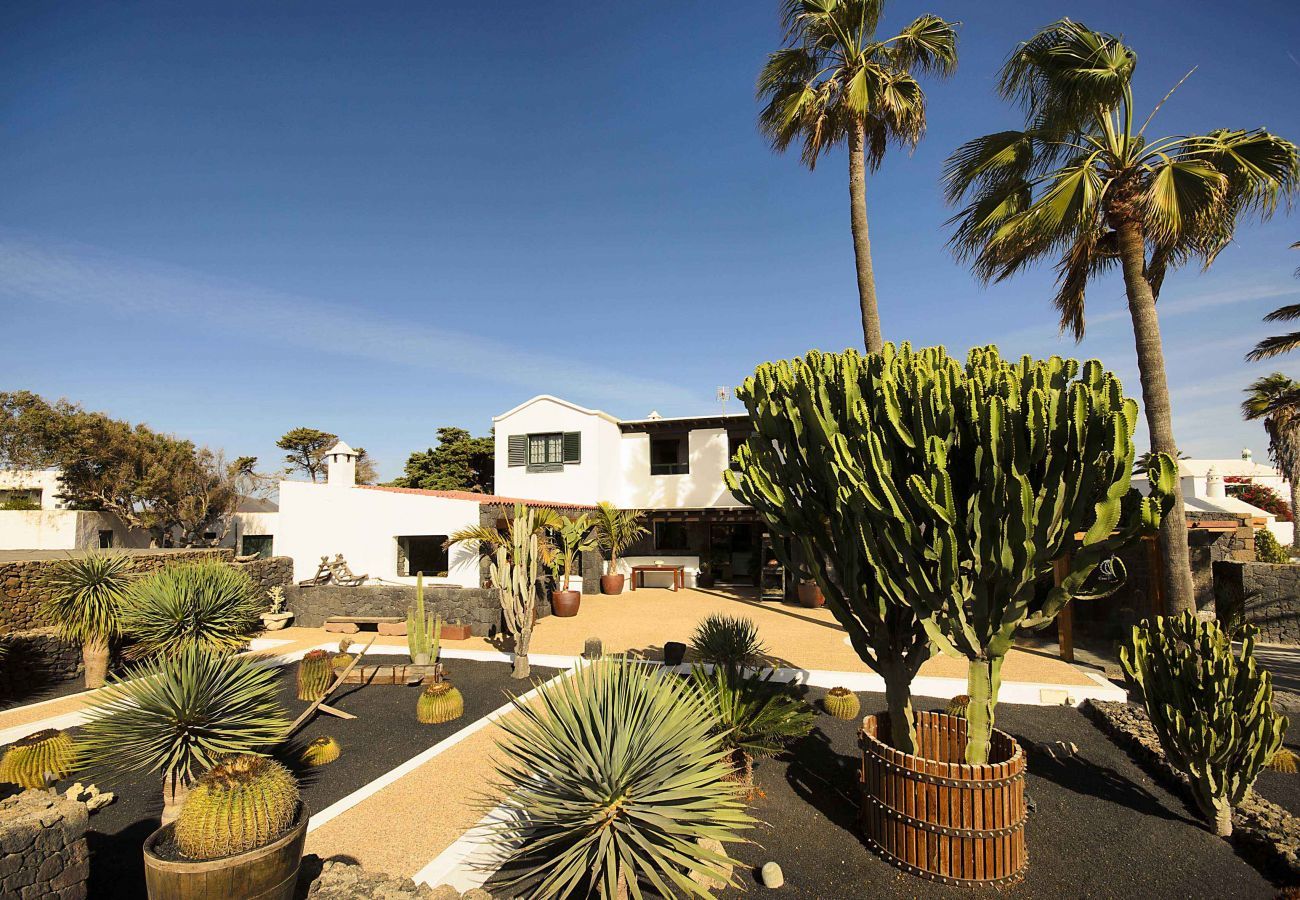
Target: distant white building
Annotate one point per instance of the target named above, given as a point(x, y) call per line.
point(1205, 484)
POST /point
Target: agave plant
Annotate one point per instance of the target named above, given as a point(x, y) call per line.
point(84, 598)
point(753, 718)
point(729, 641)
point(207, 604)
point(176, 716)
point(612, 778)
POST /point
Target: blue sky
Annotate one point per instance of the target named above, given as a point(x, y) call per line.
point(231, 219)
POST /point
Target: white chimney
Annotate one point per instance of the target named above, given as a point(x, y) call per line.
point(1214, 483)
point(1246, 454)
point(342, 462)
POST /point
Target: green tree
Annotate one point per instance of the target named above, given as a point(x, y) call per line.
point(306, 450)
point(835, 82)
point(459, 463)
point(1084, 185)
point(1280, 343)
point(1275, 399)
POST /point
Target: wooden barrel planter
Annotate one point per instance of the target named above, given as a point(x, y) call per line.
point(267, 873)
point(934, 816)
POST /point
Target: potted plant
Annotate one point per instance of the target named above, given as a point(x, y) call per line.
point(176, 716)
point(810, 595)
point(85, 601)
point(575, 536)
point(277, 616)
point(616, 530)
point(240, 834)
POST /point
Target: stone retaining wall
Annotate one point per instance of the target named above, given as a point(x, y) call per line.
point(479, 608)
point(273, 571)
point(1261, 594)
point(43, 854)
point(35, 659)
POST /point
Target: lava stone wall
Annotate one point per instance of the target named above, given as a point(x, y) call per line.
point(35, 659)
point(274, 571)
point(591, 562)
point(1262, 594)
point(479, 608)
point(43, 853)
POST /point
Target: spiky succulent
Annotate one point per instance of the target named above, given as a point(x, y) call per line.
point(842, 703)
point(752, 717)
point(178, 715)
point(84, 596)
point(730, 641)
point(616, 770)
point(315, 673)
point(204, 604)
point(37, 759)
point(957, 706)
point(440, 702)
point(320, 752)
point(240, 804)
point(1284, 760)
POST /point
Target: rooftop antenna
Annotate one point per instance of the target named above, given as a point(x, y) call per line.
point(723, 395)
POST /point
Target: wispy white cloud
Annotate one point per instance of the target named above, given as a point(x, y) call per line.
point(77, 276)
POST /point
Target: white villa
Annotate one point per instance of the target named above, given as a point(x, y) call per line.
point(549, 452)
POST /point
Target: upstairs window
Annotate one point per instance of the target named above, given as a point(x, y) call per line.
point(547, 451)
point(668, 456)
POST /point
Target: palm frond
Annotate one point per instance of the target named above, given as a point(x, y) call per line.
point(1277, 345)
point(750, 713)
point(1093, 252)
point(1180, 193)
point(928, 44)
point(1287, 313)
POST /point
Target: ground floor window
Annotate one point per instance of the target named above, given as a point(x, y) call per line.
point(106, 539)
point(672, 537)
point(422, 554)
point(256, 545)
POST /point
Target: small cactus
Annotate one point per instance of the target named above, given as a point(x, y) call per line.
point(315, 672)
point(36, 760)
point(423, 633)
point(842, 703)
point(439, 702)
point(957, 706)
point(1284, 760)
point(240, 804)
point(592, 648)
point(320, 752)
point(341, 661)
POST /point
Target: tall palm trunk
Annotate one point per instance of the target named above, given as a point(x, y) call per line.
point(862, 242)
point(1293, 480)
point(1179, 593)
point(94, 655)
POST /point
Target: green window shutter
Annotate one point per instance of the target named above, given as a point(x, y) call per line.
point(573, 446)
point(518, 450)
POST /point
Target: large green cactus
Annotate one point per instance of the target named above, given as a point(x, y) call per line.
point(932, 496)
point(423, 633)
point(514, 571)
point(1212, 711)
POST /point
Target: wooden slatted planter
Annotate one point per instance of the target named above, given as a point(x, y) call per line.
point(934, 816)
point(408, 673)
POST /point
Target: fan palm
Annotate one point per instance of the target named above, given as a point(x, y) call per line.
point(208, 604)
point(1281, 343)
point(1276, 399)
point(836, 82)
point(177, 715)
point(84, 598)
point(1083, 184)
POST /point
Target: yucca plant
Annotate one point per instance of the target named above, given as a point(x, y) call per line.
point(178, 715)
point(84, 599)
point(612, 777)
point(730, 641)
point(206, 604)
point(752, 717)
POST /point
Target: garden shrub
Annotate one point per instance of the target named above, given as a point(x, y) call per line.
point(1267, 548)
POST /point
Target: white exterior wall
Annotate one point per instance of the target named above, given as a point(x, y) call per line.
point(258, 523)
point(318, 520)
point(45, 480)
point(586, 482)
point(702, 486)
point(64, 529)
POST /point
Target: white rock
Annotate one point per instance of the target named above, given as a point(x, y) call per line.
point(771, 875)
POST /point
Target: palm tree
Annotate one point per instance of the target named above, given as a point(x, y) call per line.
point(1082, 184)
point(833, 82)
point(616, 530)
point(1276, 399)
point(1281, 343)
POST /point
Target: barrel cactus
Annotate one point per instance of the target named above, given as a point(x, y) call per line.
point(1211, 710)
point(240, 804)
point(340, 661)
point(931, 496)
point(320, 752)
point(439, 702)
point(957, 706)
point(38, 759)
point(1285, 760)
point(315, 673)
point(842, 703)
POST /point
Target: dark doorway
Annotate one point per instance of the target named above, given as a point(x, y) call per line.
point(733, 553)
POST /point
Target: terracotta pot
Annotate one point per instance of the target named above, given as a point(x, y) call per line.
point(674, 653)
point(932, 815)
point(611, 584)
point(267, 873)
point(810, 595)
point(457, 632)
point(565, 603)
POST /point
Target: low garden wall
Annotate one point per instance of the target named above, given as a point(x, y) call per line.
point(43, 853)
point(1261, 594)
point(273, 571)
point(479, 608)
point(36, 658)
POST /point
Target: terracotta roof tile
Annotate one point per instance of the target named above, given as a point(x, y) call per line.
point(489, 499)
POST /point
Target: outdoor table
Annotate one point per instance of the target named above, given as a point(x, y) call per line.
point(679, 575)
